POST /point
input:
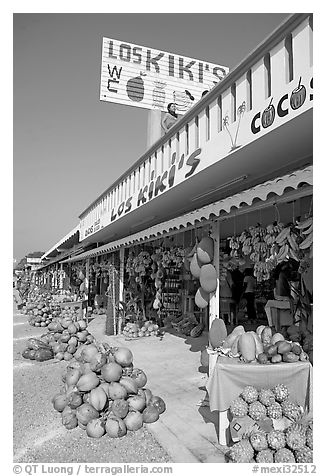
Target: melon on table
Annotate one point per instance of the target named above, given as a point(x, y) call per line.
point(217, 333)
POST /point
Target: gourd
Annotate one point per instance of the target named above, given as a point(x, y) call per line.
point(276, 338)
point(197, 330)
point(205, 250)
point(217, 333)
point(247, 347)
point(258, 343)
point(235, 346)
point(290, 357)
point(208, 278)
point(259, 330)
point(227, 344)
point(195, 266)
point(201, 298)
point(266, 336)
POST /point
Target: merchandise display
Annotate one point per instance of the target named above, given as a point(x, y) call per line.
point(105, 394)
point(263, 345)
point(271, 427)
point(65, 335)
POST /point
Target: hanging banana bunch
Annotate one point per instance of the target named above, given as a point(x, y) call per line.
point(305, 228)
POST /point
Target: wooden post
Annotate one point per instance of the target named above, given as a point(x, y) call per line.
point(214, 303)
point(86, 288)
point(121, 285)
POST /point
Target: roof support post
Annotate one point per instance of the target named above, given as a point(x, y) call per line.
point(214, 297)
point(121, 281)
point(214, 302)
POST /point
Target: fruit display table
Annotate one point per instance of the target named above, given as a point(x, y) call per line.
point(230, 376)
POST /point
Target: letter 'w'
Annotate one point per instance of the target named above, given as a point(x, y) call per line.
point(114, 71)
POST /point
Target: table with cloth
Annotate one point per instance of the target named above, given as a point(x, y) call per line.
point(229, 376)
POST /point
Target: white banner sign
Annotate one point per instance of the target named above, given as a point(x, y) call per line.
point(143, 77)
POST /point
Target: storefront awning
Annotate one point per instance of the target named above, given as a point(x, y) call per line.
point(262, 192)
point(67, 242)
point(60, 258)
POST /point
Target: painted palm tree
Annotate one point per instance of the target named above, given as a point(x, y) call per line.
point(240, 111)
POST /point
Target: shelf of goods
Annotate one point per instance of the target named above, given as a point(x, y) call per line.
point(171, 298)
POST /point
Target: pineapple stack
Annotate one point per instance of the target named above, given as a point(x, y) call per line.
point(293, 444)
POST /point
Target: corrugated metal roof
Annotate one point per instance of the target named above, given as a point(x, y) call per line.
point(261, 192)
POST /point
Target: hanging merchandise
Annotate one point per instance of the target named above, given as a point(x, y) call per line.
point(205, 250)
point(201, 268)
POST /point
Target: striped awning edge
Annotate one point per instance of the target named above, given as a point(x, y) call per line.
point(261, 192)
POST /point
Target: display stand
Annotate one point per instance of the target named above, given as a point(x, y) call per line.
point(171, 297)
point(229, 376)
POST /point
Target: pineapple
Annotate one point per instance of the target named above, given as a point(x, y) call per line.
point(239, 408)
point(266, 396)
point(249, 394)
point(265, 456)
point(281, 392)
point(241, 452)
point(309, 439)
point(276, 439)
point(258, 440)
point(256, 410)
point(274, 411)
point(291, 410)
point(303, 455)
point(284, 455)
point(296, 436)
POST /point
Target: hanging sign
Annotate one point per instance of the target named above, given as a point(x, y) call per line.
point(144, 77)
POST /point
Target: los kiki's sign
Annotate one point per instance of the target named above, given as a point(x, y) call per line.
point(159, 184)
point(144, 77)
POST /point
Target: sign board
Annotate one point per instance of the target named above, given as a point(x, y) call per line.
point(139, 76)
point(268, 114)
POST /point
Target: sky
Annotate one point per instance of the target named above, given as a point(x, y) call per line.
point(68, 146)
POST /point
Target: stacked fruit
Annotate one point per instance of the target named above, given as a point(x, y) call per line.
point(66, 335)
point(276, 349)
point(63, 338)
point(41, 313)
point(104, 394)
point(37, 349)
point(261, 345)
point(267, 410)
point(134, 330)
point(62, 296)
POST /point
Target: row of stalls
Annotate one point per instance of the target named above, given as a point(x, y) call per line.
point(235, 168)
point(224, 197)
